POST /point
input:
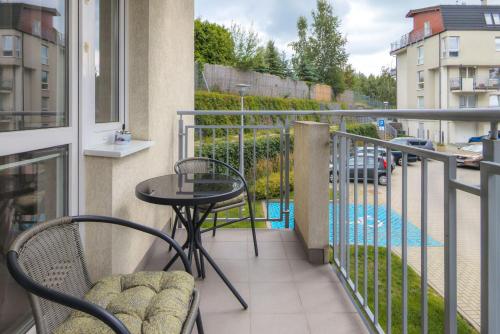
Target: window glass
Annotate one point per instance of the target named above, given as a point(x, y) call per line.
point(107, 61)
point(420, 79)
point(496, 18)
point(420, 102)
point(497, 43)
point(427, 28)
point(488, 18)
point(44, 55)
point(495, 101)
point(43, 29)
point(420, 51)
point(33, 190)
point(468, 101)
point(453, 46)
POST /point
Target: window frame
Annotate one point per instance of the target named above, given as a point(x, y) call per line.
point(497, 43)
point(420, 55)
point(44, 60)
point(420, 80)
point(45, 83)
point(488, 18)
point(420, 102)
point(446, 50)
point(100, 133)
point(467, 99)
point(496, 18)
point(12, 46)
point(427, 28)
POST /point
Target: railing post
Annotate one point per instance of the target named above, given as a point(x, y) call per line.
point(181, 138)
point(342, 190)
point(490, 239)
point(287, 173)
point(450, 247)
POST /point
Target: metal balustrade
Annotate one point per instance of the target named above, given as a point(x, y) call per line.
point(346, 148)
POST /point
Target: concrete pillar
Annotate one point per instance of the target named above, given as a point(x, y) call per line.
point(311, 201)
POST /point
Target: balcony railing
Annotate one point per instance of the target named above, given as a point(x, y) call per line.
point(474, 84)
point(410, 38)
point(241, 138)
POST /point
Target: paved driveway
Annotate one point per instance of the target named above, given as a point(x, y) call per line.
point(468, 213)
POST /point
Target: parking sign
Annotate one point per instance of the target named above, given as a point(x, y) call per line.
point(381, 124)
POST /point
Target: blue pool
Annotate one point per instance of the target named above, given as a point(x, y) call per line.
point(413, 231)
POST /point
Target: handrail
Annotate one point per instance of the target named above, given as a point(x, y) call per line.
point(455, 114)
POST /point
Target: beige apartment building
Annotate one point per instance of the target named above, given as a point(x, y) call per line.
point(450, 60)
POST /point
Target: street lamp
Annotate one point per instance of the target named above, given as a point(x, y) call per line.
point(242, 90)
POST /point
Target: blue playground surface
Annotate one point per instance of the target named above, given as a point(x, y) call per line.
point(396, 225)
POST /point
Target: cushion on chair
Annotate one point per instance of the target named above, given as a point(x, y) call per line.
point(229, 204)
point(146, 303)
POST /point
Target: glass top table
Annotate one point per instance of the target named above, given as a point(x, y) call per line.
point(187, 193)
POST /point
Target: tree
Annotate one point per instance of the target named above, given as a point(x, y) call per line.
point(381, 87)
point(273, 60)
point(213, 43)
point(327, 46)
point(247, 53)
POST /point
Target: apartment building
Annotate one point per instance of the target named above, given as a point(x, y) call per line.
point(451, 59)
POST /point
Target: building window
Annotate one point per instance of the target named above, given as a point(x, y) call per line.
point(420, 102)
point(107, 61)
point(495, 101)
point(468, 72)
point(44, 55)
point(497, 44)
point(45, 103)
point(427, 29)
point(468, 101)
point(420, 80)
point(11, 46)
point(488, 18)
point(496, 18)
point(37, 28)
point(450, 47)
point(45, 80)
point(420, 55)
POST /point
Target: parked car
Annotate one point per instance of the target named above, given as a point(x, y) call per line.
point(370, 166)
point(409, 141)
point(470, 156)
point(479, 139)
point(382, 152)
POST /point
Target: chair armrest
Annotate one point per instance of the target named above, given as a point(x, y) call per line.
point(138, 227)
point(56, 296)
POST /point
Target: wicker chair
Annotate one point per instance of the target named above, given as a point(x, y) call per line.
point(48, 262)
point(207, 165)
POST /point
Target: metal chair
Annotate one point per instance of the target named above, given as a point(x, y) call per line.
point(48, 261)
point(207, 165)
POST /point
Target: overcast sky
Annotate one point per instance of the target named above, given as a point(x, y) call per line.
point(370, 25)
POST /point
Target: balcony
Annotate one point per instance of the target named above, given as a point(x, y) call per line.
point(474, 85)
point(410, 38)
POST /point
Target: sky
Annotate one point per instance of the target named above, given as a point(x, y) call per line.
point(369, 25)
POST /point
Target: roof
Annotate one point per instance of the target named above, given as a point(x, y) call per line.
point(462, 17)
point(467, 17)
point(10, 13)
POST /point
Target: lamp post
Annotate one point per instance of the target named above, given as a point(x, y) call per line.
point(242, 90)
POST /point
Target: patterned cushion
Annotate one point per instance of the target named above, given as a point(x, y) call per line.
point(146, 303)
point(230, 202)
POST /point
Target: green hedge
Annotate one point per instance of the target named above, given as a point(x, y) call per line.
point(365, 130)
point(273, 190)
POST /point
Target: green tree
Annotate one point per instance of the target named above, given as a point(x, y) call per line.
point(248, 55)
point(381, 87)
point(213, 43)
point(327, 46)
point(274, 61)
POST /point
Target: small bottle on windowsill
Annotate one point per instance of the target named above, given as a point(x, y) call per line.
point(123, 137)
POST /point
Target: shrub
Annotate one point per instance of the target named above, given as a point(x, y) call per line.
point(273, 190)
point(365, 130)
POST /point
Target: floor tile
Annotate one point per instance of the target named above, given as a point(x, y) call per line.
point(294, 251)
point(338, 323)
point(262, 270)
point(279, 298)
point(217, 298)
point(268, 250)
point(303, 271)
point(236, 322)
point(288, 235)
point(229, 235)
point(235, 270)
point(279, 324)
point(324, 297)
point(266, 235)
point(229, 250)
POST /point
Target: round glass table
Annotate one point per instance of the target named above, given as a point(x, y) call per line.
point(188, 193)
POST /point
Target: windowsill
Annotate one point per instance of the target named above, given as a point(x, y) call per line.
point(118, 151)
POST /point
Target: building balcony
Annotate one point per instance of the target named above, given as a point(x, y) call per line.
point(474, 85)
point(410, 38)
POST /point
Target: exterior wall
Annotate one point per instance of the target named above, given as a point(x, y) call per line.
point(477, 48)
point(434, 17)
point(161, 81)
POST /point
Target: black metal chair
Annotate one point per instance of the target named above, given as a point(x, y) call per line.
point(207, 165)
point(48, 261)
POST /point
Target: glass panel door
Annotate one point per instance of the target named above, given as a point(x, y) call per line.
point(33, 190)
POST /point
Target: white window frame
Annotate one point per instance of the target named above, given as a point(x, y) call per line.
point(467, 100)
point(420, 102)
point(44, 59)
point(101, 133)
point(37, 139)
point(446, 50)
point(497, 44)
point(13, 43)
point(420, 83)
point(427, 29)
point(494, 98)
point(420, 55)
point(496, 18)
point(45, 84)
point(488, 18)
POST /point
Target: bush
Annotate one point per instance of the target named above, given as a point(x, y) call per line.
point(273, 190)
point(365, 130)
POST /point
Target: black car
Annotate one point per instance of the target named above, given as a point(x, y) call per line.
point(408, 141)
point(370, 166)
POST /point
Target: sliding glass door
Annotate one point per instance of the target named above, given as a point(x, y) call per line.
point(39, 137)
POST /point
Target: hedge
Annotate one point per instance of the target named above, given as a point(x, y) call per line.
point(273, 189)
point(365, 130)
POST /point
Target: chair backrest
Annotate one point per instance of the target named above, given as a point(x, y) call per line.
point(205, 165)
point(51, 254)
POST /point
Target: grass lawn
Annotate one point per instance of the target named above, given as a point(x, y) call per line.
point(259, 213)
point(435, 301)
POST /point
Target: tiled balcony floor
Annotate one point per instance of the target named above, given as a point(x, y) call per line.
point(284, 292)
